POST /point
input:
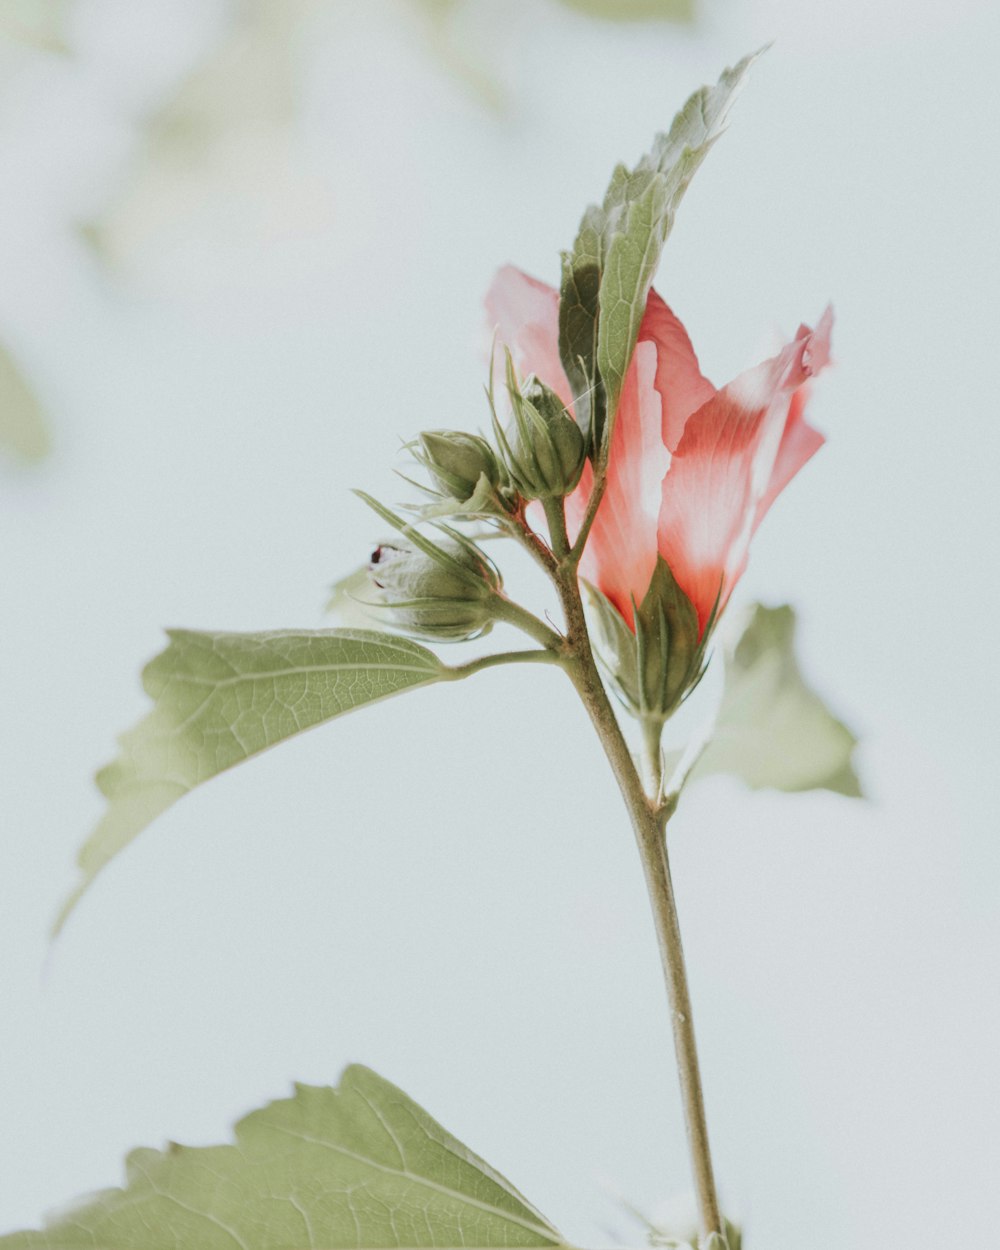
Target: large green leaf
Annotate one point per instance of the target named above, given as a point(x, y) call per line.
point(361, 1167)
point(608, 272)
point(221, 698)
point(772, 730)
point(22, 423)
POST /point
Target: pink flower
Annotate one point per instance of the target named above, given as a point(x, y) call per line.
point(692, 469)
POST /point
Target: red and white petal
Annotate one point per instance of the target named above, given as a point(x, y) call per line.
point(621, 551)
point(682, 387)
point(799, 443)
point(737, 451)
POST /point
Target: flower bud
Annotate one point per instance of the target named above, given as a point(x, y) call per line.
point(653, 666)
point(444, 590)
point(543, 448)
point(457, 462)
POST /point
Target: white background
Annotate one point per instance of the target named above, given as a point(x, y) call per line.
point(444, 886)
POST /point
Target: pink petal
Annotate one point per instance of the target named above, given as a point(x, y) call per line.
point(736, 453)
point(662, 388)
point(799, 442)
point(621, 551)
point(678, 379)
point(525, 315)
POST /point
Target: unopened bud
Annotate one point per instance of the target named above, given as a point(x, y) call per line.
point(457, 462)
point(656, 663)
point(446, 591)
point(543, 448)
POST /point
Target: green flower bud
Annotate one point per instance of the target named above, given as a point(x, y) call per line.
point(653, 666)
point(446, 590)
point(543, 448)
point(457, 462)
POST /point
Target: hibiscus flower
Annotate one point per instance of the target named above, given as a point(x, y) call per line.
point(692, 470)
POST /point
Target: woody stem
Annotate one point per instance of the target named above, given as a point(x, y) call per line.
point(649, 820)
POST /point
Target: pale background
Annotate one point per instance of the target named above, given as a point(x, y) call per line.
point(444, 887)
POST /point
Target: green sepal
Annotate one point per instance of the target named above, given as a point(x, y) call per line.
point(469, 571)
point(447, 590)
point(654, 667)
point(542, 450)
point(465, 474)
point(485, 501)
point(607, 274)
point(425, 598)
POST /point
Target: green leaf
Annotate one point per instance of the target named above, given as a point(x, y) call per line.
point(352, 1168)
point(608, 272)
point(22, 423)
point(635, 10)
point(772, 730)
point(221, 698)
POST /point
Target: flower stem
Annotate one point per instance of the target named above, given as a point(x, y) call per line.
point(649, 820)
point(555, 515)
point(504, 609)
point(652, 733)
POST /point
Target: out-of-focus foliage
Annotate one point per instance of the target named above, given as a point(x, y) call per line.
point(635, 10)
point(608, 10)
point(38, 23)
point(457, 56)
point(461, 57)
point(773, 730)
point(226, 126)
point(23, 428)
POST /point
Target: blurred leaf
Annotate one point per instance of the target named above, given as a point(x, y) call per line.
point(608, 273)
point(360, 1166)
point(249, 79)
point(227, 121)
point(635, 10)
point(772, 730)
point(40, 23)
point(456, 58)
point(222, 698)
point(22, 423)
